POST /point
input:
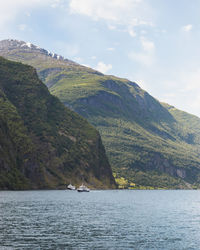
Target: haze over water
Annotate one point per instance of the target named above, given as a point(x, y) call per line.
point(126, 219)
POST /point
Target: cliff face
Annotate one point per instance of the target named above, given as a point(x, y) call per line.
point(148, 143)
point(42, 143)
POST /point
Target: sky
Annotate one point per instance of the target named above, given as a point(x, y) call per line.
point(155, 43)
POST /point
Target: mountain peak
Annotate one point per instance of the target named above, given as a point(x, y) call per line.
point(25, 52)
point(10, 45)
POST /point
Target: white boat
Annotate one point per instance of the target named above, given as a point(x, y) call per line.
point(83, 188)
point(71, 187)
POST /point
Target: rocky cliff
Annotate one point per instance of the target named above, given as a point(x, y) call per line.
point(42, 143)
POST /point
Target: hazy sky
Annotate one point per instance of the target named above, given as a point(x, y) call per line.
point(155, 43)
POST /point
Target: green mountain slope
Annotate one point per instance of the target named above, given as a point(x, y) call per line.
point(148, 143)
point(42, 143)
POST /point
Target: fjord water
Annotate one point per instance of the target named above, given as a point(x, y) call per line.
point(117, 219)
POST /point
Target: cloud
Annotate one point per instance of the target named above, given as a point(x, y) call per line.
point(127, 13)
point(111, 49)
point(22, 27)
point(142, 58)
point(111, 27)
point(102, 67)
point(141, 82)
point(195, 105)
point(28, 14)
point(68, 50)
point(78, 59)
point(147, 55)
point(132, 32)
point(102, 9)
point(187, 28)
point(147, 45)
point(11, 9)
point(186, 89)
point(56, 3)
point(190, 80)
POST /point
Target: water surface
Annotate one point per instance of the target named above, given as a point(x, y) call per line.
point(124, 219)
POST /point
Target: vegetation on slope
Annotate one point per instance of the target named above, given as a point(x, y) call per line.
point(148, 143)
point(42, 143)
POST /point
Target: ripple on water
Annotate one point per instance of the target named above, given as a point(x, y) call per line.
point(100, 220)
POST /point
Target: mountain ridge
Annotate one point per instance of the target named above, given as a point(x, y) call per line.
point(147, 142)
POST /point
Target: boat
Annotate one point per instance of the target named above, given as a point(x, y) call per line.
point(71, 187)
point(83, 188)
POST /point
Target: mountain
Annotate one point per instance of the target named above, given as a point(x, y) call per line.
point(43, 144)
point(149, 144)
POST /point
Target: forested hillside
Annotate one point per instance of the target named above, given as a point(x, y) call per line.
point(43, 144)
point(148, 143)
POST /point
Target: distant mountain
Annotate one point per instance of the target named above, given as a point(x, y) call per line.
point(148, 143)
point(43, 144)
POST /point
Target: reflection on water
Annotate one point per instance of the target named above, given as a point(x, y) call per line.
point(100, 219)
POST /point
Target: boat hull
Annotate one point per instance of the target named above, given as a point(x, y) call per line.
point(83, 190)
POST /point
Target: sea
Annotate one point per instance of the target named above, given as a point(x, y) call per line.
point(111, 219)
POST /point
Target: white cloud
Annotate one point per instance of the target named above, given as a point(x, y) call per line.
point(147, 45)
point(143, 32)
point(28, 14)
point(55, 3)
point(195, 104)
point(102, 67)
point(147, 55)
point(111, 49)
point(128, 13)
point(10, 9)
point(22, 27)
point(186, 89)
point(111, 27)
point(78, 59)
point(132, 32)
point(141, 83)
point(190, 80)
point(102, 9)
point(68, 50)
point(142, 58)
point(163, 31)
point(187, 28)
point(169, 95)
